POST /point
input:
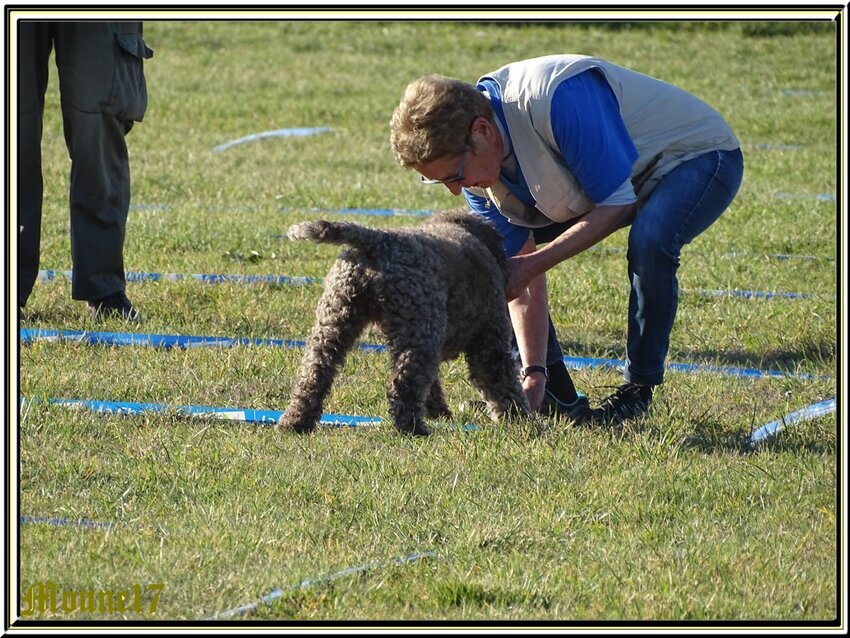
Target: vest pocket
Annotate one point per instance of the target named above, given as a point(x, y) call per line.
point(129, 98)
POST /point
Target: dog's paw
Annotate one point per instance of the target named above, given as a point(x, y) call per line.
point(441, 412)
point(294, 425)
point(518, 410)
point(414, 429)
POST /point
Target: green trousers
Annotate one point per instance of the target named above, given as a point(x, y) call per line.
point(103, 91)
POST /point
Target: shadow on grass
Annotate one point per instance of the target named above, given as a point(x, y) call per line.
point(805, 354)
point(822, 354)
point(709, 433)
point(713, 425)
point(711, 438)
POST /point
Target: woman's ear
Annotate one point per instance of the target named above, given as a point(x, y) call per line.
point(482, 133)
point(482, 126)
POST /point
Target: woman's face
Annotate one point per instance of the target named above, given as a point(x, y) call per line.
point(478, 166)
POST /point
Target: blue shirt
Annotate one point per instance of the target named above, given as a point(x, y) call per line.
point(591, 137)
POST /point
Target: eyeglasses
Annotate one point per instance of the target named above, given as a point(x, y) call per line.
point(449, 180)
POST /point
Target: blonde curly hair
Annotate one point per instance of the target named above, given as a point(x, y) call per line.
point(433, 119)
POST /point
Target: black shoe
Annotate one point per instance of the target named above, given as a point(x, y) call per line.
point(114, 305)
point(579, 411)
point(629, 401)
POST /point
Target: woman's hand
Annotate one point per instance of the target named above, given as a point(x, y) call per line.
point(587, 231)
point(534, 387)
point(520, 275)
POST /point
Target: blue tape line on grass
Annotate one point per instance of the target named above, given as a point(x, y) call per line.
point(184, 342)
point(811, 412)
point(286, 280)
point(29, 335)
point(575, 363)
point(753, 294)
point(821, 197)
point(780, 256)
point(377, 212)
point(309, 582)
point(136, 276)
point(144, 208)
point(747, 373)
point(50, 275)
point(778, 147)
point(730, 255)
point(200, 411)
point(262, 417)
point(796, 92)
point(64, 522)
point(151, 340)
point(283, 132)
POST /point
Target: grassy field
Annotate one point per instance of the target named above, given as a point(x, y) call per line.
point(671, 519)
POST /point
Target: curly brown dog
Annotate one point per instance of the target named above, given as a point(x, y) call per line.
point(435, 291)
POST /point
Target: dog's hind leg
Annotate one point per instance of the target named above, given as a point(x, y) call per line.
point(341, 316)
point(415, 348)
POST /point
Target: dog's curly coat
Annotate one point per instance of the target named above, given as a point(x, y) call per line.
point(436, 291)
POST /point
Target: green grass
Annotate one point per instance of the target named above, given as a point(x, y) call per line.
point(669, 519)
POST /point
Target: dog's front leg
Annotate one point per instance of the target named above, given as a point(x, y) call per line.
point(436, 406)
point(493, 372)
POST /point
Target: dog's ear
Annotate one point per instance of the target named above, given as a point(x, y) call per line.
point(478, 226)
point(493, 240)
point(486, 232)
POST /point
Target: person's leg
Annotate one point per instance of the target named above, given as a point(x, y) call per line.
point(684, 204)
point(34, 44)
point(561, 396)
point(98, 112)
point(562, 385)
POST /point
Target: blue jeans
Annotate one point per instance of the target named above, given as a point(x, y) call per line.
point(682, 205)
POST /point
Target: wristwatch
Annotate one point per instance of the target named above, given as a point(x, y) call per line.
point(527, 370)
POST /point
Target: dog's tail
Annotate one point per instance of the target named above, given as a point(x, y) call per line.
point(323, 231)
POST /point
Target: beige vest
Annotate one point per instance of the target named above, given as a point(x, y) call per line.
point(667, 125)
